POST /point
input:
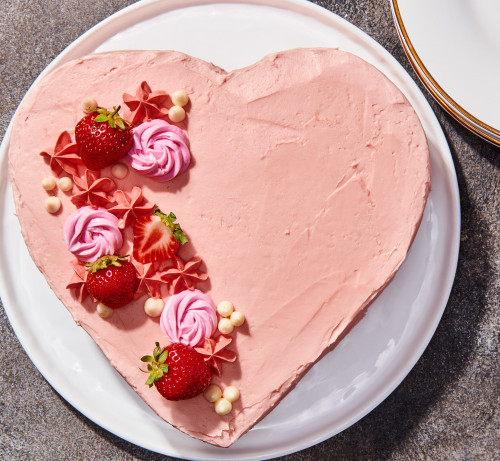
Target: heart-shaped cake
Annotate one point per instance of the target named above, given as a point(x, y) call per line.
point(299, 184)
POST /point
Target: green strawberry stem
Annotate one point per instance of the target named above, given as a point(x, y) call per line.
point(112, 118)
point(105, 261)
point(156, 364)
point(169, 221)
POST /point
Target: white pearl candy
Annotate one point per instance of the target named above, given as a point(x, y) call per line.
point(119, 170)
point(65, 184)
point(104, 311)
point(225, 308)
point(225, 326)
point(52, 204)
point(212, 393)
point(88, 104)
point(237, 318)
point(180, 98)
point(154, 306)
point(176, 114)
point(49, 183)
point(231, 393)
point(223, 406)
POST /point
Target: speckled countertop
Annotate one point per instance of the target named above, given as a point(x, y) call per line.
point(446, 408)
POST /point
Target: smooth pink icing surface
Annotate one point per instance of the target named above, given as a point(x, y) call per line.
point(309, 181)
point(160, 150)
point(90, 233)
point(188, 318)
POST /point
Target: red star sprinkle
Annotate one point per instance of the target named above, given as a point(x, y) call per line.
point(66, 156)
point(129, 206)
point(214, 351)
point(146, 104)
point(78, 282)
point(94, 191)
point(183, 276)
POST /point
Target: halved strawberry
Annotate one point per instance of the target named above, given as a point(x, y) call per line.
point(157, 237)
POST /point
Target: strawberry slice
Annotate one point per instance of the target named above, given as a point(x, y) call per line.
point(157, 237)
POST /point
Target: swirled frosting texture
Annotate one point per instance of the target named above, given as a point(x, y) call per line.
point(188, 318)
point(160, 150)
point(90, 233)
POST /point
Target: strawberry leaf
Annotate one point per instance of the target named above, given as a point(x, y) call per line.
point(120, 123)
point(163, 356)
point(101, 118)
point(158, 374)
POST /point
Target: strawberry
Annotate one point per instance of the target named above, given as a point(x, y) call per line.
point(177, 371)
point(112, 280)
point(103, 138)
point(157, 237)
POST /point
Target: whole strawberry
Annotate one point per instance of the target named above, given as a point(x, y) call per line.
point(157, 237)
point(103, 138)
point(177, 371)
point(112, 280)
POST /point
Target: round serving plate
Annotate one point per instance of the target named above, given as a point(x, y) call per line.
point(454, 47)
point(374, 357)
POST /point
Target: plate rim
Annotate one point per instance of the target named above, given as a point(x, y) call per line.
point(451, 106)
point(446, 157)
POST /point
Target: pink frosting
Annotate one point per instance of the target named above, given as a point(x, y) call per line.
point(188, 318)
point(160, 150)
point(90, 233)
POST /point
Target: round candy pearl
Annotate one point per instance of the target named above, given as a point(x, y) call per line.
point(225, 308)
point(52, 204)
point(225, 326)
point(65, 184)
point(231, 393)
point(237, 318)
point(213, 393)
point(49, 183)
point(153, 306)
point(180, 98)
point(119, 170)
point(104, 311)
point(176, 114)
point(223, 406)
point(88, 104)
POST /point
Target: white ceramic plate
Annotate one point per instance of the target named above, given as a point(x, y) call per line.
point(454, 46)
point(369, 363)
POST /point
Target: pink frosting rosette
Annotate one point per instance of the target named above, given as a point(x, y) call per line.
point(188, 318)
point(159, 151)
point(90, 233)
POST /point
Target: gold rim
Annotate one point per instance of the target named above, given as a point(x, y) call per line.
point(443, 98)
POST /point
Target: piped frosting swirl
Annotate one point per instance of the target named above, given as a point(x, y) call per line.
point(188, 318)
point(159, 151)
point(90, 233)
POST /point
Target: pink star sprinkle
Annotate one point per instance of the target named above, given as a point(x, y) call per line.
point(214, 351)
point(183, 275)
point(146, 104)
point(78, 282)
point(130, 206)
point(94, 191)
point(66, 157)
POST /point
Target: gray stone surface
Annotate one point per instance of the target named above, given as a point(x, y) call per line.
point(446, 408)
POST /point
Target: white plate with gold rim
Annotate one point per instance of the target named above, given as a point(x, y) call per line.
point(368, 364)
point(454, 46)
